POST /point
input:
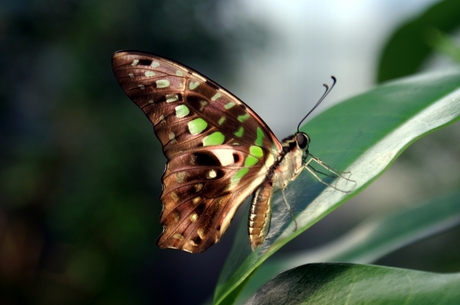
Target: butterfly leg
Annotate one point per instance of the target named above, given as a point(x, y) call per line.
point(289, 209)
point(336, 173)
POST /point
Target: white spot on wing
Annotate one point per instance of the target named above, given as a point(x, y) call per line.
point(211, 174)
point(196, 200)
point(171, 98)
point(200, 233)
point(178, 236)
point(225, 156)
point(193, 217)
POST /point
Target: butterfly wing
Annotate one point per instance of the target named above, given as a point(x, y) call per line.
point(219, 151)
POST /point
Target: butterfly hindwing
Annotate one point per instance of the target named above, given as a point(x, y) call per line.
point(200, 196)
point(219, 151)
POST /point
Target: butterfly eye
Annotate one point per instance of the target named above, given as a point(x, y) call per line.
point(303, 140)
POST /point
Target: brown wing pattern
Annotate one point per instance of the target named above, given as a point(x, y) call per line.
point(199, 201)
point(218, 149)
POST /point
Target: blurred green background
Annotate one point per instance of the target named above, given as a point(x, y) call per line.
point(80, 166)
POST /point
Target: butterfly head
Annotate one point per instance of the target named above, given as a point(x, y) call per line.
point(297, 144)
point(303, 141)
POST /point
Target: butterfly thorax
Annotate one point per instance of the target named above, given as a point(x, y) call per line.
point(288, 166)
point(291, 160)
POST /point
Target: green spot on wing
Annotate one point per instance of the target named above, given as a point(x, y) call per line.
point(171, 98)
point(243, 117)
point(256, 151)
point(215, 138)
point(221, 120)
point(240, 132)
point(193, 85)
point(229, 105)
point(196, 126)
point(260, 137)
point(237, 177)
point(215, 97)
point(162, 83)
point(203, 104)
point(250, 161)
point(182, 111)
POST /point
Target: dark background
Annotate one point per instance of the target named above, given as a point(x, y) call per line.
point(80, 166)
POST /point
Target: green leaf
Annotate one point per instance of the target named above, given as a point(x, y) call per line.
point(381, 235)
point(363, 135)
point(338, 283)
point(408, 48)
point(372, 239)
point(444, 44)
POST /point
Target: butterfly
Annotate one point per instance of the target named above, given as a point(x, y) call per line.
point(219, 151)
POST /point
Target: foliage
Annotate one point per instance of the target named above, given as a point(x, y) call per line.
point(364, 134)
point(411, 44)
point(80, 169)
point(366, 145)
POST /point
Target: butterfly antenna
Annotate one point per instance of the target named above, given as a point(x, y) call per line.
point(328, 89)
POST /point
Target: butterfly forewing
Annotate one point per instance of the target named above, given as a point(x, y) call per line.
point(219, 151)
